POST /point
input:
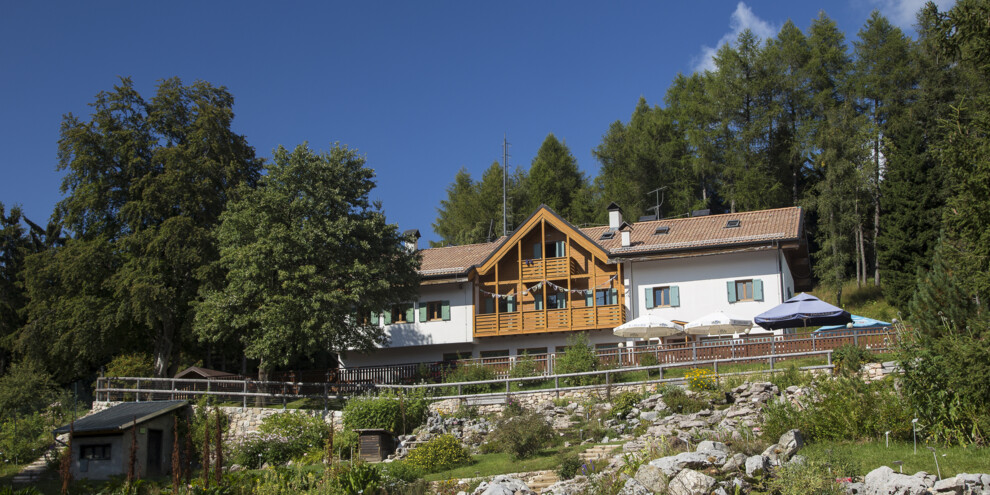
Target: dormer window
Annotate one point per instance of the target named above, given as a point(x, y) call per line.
point(732, 224)
point(663, 229)
point(608, 234)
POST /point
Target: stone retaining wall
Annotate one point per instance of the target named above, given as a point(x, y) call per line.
point(247, 420)
point(533, 399)
point(878, 371)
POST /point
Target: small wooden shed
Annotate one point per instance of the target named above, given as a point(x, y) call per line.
point(375, 445)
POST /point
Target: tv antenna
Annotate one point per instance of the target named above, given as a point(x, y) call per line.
point(656, 209)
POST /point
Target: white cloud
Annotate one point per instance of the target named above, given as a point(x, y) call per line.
point(902, 12)
point(741, 19)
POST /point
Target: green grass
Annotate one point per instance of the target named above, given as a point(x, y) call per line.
point(865, 301)
point(494, 464)
point(860, 458)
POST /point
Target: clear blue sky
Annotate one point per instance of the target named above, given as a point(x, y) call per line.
point(421, 88)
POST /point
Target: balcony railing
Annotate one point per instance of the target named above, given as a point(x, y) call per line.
point(557, 268)
point(552, 320)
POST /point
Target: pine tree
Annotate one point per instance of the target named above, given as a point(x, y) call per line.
point(554, 178)
point(941, 301)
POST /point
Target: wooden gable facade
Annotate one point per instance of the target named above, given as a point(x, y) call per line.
point(547, 277)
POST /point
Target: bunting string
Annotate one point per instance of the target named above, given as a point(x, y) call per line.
point(555, 287)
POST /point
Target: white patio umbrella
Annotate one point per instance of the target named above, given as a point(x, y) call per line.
point(718, 323)
point(648, 326)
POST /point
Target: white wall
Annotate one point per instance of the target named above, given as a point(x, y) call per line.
point(702, 284)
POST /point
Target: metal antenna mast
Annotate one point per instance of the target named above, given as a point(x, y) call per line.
point(505, 182)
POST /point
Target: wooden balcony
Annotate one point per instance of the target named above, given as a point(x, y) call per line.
point(553, 320)
point(557, 268)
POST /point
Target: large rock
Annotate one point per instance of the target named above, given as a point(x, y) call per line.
point(691, 482)
point(734, 463)
point(884, 481)
point(633, 487)
point(757, 466)
point(708, 446)
point(693, 460)
point(574, 486)
point(790, 443)
point(652, 478)
point(503, 485)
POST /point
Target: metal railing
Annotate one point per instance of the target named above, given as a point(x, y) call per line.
point(271, 392)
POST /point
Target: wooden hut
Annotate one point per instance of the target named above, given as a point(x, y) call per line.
point(375, 445)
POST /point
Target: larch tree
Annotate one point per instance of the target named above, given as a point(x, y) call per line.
point(306, 258)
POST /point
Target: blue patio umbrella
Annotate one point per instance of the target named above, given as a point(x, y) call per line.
point(858, 322)
point(800, 311)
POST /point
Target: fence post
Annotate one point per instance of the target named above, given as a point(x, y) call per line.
point(172, 393)
point(660, 369)
point(138, 393)
point(813, 346)
point(716, 369)
point(244, 396)
point(694, 350)
point(556, 385)
point(326, 391)
point(856, 338)
point(459, 389)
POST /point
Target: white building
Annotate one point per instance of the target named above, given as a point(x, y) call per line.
point(526, 293)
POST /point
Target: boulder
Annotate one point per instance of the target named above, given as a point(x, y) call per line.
point(633, 487)
point(757, 466)
point(694, 460)
point(790, 443)
point(652, 478)
point(574, 486)
point(734, 463)
point(708, 445)
point(648, 416)
point(691, 482)
point(503, 485)
point(884, 481)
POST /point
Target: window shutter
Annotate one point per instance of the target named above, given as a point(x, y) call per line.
point(730, 288)
point(536, 251)
point(388, 317)
point(489, 305)
point(410, 314)
point(758, 290)
point(648, 296)
point(510, 304)
point(613, 296)
point(445, 310)
point(675, 296)
point(538, 302)
point(422, 313)
point(374, 319)
point(589, 298)
point(560, 249)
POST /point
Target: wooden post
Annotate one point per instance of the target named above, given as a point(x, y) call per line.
point(244, 397)
point(172, 393)
point(138, 393)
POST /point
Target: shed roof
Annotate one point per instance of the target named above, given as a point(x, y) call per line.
point(203, 372)
point(122, 416)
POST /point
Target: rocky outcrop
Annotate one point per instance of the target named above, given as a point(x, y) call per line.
point(503, 485)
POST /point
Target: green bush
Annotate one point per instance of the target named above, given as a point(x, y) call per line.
point(134, 364)
point(849, 358)
point(281, 438)
point(579, 357)
point(355, 478)
point(678, 401)
point(649, 359)
point(522, 436)
point(846, 408)
point(27, 388)
point(789, 377)
point(525, 366)
point(439, 454)
point(568, 464)
point(471, 373)
point(203, 418)
point(623, 402)
point(401, 472)
point(810, 477)
point(399, 414)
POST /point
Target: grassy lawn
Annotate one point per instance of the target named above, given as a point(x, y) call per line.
point(861, 458)
point(495, 464)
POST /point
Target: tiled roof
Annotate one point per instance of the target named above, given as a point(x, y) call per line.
point(706, 231)
point(453, 260)
point(684, 233)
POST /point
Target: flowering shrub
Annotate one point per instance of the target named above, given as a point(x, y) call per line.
point(439, 454)
point(702, 379)
point(281, 438)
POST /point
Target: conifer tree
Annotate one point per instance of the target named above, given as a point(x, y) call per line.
point(554, 178)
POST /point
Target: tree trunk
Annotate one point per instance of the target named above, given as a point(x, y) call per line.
point(164, 346)
point(876, 206)
point(862, 253)
point(262, 377)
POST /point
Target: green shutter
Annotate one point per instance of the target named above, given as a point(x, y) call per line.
point(388, 317)
point(510, 304)
point(675, 296)
point(589, 298)
point(648, 296)
point(410, 314)
point(445, 310)
point(758, 290)
point(422, 313)
point(613, 296)
point(374, 318)
point(538, 302)
point(537, 251)
point(560, 249)
point(730, 288)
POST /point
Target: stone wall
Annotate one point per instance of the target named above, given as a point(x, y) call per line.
point(531, 400)
point(247, 420)
point(878, 371)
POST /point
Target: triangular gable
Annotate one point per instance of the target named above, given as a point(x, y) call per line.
point(542, 213)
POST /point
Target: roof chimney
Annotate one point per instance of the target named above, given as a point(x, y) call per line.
point(614, 216)
point(411, 240)
point(626, 231)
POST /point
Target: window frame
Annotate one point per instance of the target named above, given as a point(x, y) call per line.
point(747, 285)
point(106, 453)
point(430, 306)
point(657, 291)
point(399, 312)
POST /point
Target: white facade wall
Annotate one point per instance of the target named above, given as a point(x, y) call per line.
point(702, 284)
